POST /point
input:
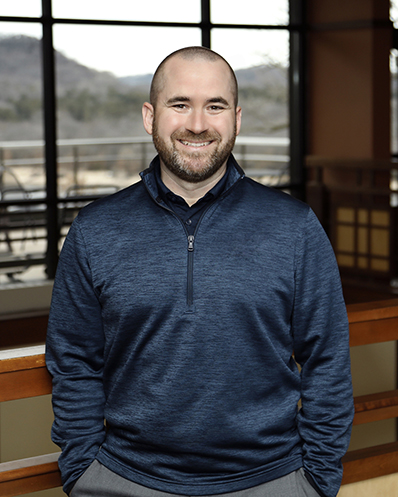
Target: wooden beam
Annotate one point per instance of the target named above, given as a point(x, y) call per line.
point(376, 407)
point(368, 332)
point(371, 311)
point(23, 376)
point(29, 475)
point(372, 462)
point(373, 322)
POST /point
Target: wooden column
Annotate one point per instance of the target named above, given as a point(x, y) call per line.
point(349, 43)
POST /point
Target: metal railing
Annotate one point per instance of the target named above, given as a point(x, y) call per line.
point(87, 170)
point(260, 156)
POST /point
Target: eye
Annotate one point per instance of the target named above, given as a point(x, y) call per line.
point(215, 108)
point(179, 106)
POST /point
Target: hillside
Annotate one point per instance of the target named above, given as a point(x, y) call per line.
point(20, 67)
point(92, 103)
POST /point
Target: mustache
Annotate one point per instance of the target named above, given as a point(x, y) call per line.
point(189, 135)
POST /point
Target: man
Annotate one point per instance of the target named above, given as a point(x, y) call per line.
point(177, 307)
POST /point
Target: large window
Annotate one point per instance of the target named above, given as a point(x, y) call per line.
point(74, 76)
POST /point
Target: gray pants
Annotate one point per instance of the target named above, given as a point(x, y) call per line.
point(99, 481)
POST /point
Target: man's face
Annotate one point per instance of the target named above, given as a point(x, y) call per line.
point(194, 123)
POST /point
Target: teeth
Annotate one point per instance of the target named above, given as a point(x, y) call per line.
point(195, 144)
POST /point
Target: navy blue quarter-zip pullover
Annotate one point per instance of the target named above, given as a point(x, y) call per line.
point(184, 342)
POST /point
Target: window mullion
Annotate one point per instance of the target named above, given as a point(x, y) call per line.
point(50, 136)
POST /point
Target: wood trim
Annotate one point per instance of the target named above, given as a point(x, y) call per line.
point(28, 462)
point(375, 407)
point(21, 362)
point(373, 322)
point(29, 475)
point(24, 384)
point(24, 377)
point(372, 462)
point(369, 332)
point(371, 311)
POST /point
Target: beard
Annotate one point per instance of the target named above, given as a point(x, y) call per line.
point(193, 167)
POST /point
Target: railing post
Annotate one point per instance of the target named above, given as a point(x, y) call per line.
point(75, 165)
point(2, 169)
point(144, 163)
point(243, 158)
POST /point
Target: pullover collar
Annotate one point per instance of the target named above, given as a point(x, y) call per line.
point(148, 176)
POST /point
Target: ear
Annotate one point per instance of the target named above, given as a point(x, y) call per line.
point(147, 117)
point(238, 119)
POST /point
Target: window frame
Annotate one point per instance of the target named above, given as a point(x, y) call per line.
point(296, 29)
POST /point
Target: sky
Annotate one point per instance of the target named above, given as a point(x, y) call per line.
point(129, 50)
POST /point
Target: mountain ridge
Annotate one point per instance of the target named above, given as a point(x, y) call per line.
point(97, 103)
point(20, 58)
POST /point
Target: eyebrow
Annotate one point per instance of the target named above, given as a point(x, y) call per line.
point(218, 100)
point(176, 99)
point(213, 100)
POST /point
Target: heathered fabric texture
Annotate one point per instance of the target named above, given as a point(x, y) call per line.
point(187, 354)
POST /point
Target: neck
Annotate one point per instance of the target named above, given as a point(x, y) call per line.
point(190, 192)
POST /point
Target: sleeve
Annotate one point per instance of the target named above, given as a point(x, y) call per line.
point(321, 348)
point(74, 358)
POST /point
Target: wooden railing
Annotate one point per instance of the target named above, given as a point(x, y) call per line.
point(370, 323)
point(23, 374)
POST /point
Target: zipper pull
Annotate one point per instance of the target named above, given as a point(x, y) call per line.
point(191, 239)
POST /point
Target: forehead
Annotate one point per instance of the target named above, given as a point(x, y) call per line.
point(196, 78)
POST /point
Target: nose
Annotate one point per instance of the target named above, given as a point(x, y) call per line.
point(196, 122)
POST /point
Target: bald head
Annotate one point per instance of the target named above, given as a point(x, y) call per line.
point(190, 54)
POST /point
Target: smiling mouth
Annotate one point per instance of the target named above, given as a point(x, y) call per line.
point(195, 144)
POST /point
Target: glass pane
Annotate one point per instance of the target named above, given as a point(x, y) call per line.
point(22, 172)
point(21, 8)
point(126, 10)
point(380, 242)
point(380, 218)
point(345, 215)
point(345, 239)
point(103, 142)
point(345, 260)
point(250, 12)
point(379, 265)
point(111, 48)
point(261, 64)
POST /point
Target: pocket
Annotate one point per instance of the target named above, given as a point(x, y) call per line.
point(304, 487)
point(78, 486)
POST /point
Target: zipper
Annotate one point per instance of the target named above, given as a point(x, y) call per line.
point(191, 240)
